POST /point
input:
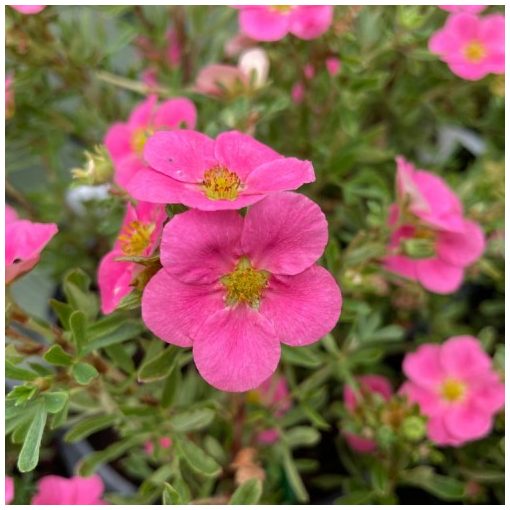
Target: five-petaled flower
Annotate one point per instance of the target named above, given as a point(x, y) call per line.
point(456, 387)
point(231, 172)
point(234, 287)
point(432, 242)
point(471, 46)
point(138, 237)
point(125, 141)
point(24, 241)
point(57, 490)
point(274, 22)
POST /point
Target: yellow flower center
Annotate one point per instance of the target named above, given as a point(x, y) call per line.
point(282, 9)
point(453, 390)
point(221, 184)
point(139, 138)
point(245, 284)
point(135, 238)
point(475, 51)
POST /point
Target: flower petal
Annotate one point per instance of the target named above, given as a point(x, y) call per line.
point(463, 357)
point(439, 434)
point(423, 367)
point(310, 21)
point(87, 491)
point(173, 310)
point(118, 141)
point(241, 153)
point(114, 279)
point(467, 422)
point(25, 240)
point(285, 233)
point(199, 247)
point(304, 307)
point(429, 402)
point(438, 276)
point(263, 23)
point(179, 112)
point(236, 349)
point(462, 249)
point(141, 116)
point(182, 154)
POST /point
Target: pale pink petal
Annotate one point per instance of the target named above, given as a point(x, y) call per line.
point(25, 240)
point(220, 79)
point(463, 357)
point(462, 249)
point(308, 22)
point(114, 280)
point(467, 422)
point(241, 153)
point(285, 233)
point(176, 113)
point(428, 400)
point(492, 32)
point(469, 71)
point(423, 367)
point(201, 247)
point(464, 25)
point(182, 154)
point(52, 490)
point(9, 489)
point(10, 214)
point(236, 349)
point(263, 23)
point(28, 9)
point(173, 310)
point(280, 175)
point(142, 114)
point(304, 307)
point(438, 276)
point(489, 394)
point(359, 443)
point(401, 265)
point(118, 141)
point(16, 269)
point(126, 169)
point(439, 434)
point(88, 491)
point(444, 43)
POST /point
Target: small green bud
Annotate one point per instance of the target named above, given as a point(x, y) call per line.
point(419, 248)
point(385, 436)
point(97, 170)
point(413, 428)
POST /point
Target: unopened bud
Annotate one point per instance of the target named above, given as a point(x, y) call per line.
point(419, 248)
point(414, 428)
point(97, 170)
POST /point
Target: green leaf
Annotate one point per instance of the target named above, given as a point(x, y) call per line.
point(76, 289)
point(443, 487)
point(57, 356)
point(379, 478)
point(22, 393)
point(171, 496)
point(314, 417)
point(78, 326)
point(55, 401)
point(248, 493)
point(29, 454)
point(302, 436)
point(63, 311)
point(83, 373)
point(12, 371)
point(192, 420)
point(197, 459)
point(126, 331)
point(88, 466)
point(293, 477)
point(358, 497)
point(159, 366)
point(120, 357)
point(172, 383)
point(300, 356)
point(88, 426)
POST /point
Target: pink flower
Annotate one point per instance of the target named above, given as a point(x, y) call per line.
point(273, 394)
point(430, 213)
point(28, 9)
point(230, 172)
point(165, 442)
point(297, 93)
point(139, 236)
point(56, 490)
point(333, 65)
point(456, 388)
point(234, 287)
point(9, 489)
point(472, 47)
point(237, 44)
point(125, 141)
point(472, 9)
point(173, 50)
point(369, 384)
point(309, 71)
point(273, 22)
point(24, 242)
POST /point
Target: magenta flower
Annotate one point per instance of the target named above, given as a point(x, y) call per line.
point(273, 394)
point(471, 9)
point(173, 50)
point(234, 287)
point(430, 214)
point(369, 384)
point(472, 47)
point(274, 22)
point(333, 65)
point(165, 442)
point(56, 490)
point(456, 388)
point(24, 242)
point(125, 141)
point(297, 93)
point(231, 172)
point(28, 9)
point(138, 237)
point(9, 489)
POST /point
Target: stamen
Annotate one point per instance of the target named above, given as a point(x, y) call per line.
point(139, 138)
point(245, 284)
point(282, 9)
point(453, 390)
point(221, 184)
point(135, 238)
point(475, 51)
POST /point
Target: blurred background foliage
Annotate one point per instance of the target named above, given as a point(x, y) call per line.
point(78, 69)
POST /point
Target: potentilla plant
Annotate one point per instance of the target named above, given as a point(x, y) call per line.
point(224, 281)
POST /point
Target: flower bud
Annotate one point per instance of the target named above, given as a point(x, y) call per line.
point(413, 428)
point(98, 169)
